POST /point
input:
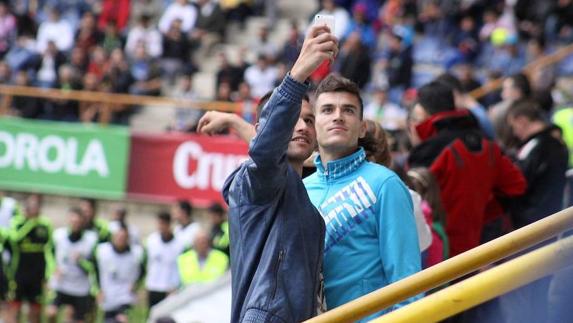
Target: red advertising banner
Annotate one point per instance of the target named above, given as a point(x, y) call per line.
point(166, 167)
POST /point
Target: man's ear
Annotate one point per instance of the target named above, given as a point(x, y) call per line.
point(363, 129)
point(257, 127)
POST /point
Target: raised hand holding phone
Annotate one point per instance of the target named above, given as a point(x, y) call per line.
point(320, 44)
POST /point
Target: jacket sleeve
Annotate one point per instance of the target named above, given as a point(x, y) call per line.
point(399, 248)
point(268, 149)
point(509, 178)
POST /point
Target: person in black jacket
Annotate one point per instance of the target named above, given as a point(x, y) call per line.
point(543, 159)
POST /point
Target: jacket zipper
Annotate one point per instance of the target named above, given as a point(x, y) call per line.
point(279, 261)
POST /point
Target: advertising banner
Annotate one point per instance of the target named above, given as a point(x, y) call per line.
point(180, 166)
point(63, 158)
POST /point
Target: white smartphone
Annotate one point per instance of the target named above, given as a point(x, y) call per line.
point(324, 20)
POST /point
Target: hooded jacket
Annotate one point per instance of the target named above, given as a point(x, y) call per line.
point(470, 171)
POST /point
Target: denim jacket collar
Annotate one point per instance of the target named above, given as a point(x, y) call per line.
point(341, 167)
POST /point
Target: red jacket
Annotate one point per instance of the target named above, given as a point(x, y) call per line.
point(470, 170)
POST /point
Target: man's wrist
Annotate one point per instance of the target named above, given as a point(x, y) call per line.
point(297, 75)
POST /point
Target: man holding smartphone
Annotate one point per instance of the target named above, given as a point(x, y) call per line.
point(277, 235)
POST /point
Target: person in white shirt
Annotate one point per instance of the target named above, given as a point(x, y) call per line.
point(119, 217)
point(389, 115)
point(144, 32)
point(180, 9)
point(57, 30)
point(73, 246)
point(341, 17)
point(261, 77)
point(120, 268)
point(8, 209)
point(162, 252)
point(186, 229)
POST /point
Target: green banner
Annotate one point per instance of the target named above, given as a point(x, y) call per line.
point(63, 158)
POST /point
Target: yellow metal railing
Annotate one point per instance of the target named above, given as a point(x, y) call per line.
point(451, 269)
point(487, 285)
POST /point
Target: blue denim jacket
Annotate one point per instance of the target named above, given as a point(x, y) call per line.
point(277, 235)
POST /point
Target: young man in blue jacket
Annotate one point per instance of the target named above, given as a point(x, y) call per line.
point(371, 238)
point(277, 235)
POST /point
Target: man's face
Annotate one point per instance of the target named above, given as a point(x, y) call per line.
point(508, 91)
point(87, 210)
point(518, 126)
point(303, 140)
point(76, 222)
point(338, 122)
point(163, 227)
point(120, 239)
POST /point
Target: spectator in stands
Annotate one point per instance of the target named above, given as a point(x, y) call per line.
point(229, 73)
point(219, 228)
point(162, 249)
point(118, 73)
point(186, 228)
point(64, 110)
point(248, 110)
point(145, 72)
point(543, 159)
point(144, 33)
point(5, 73)
point(30, 249)
point(425, 184)
point(341, 17)
point(210, 27)
point(202, 264)
point(514, 88)
point(560, 22)
point(120, 269)
point(389, 115)
point(466, 41)
point(98, 63)
point(150, 8)
point(87, 36)
point(465, 101)
point(355, 237)
point(398, 65)
point(94, 223)
point(186, 119)
point(119, 218)
point(79, 60)
point(179, 9)
point(261, 76)
point(48, 65)
point(291, 48)
point(259, 190)
point(263, 46)
point(360, 24)
point(21, 54)
point(111, 39)
point(90, 111)
point(25, 106)
point(236, 10)
point(57, 30)
point(114, 12)
point(224, 92)
point(354, 60)
point(449, 142)
point(176, 51)
point(71, 278)
point(7, 29)
point(466, 76)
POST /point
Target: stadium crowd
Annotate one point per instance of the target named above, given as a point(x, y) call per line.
point(475, 168)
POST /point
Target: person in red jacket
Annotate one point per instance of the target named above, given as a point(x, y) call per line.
point(470, 169)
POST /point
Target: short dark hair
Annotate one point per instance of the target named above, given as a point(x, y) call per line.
point(91, 202)
point(76, 210)
point(521, 82)
point(526, 108)
point(436, 97)
point(185, 206)
point(216, 208)
point(450, 81)
point(265, 98)
point(336, 83)
point(164, 217)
